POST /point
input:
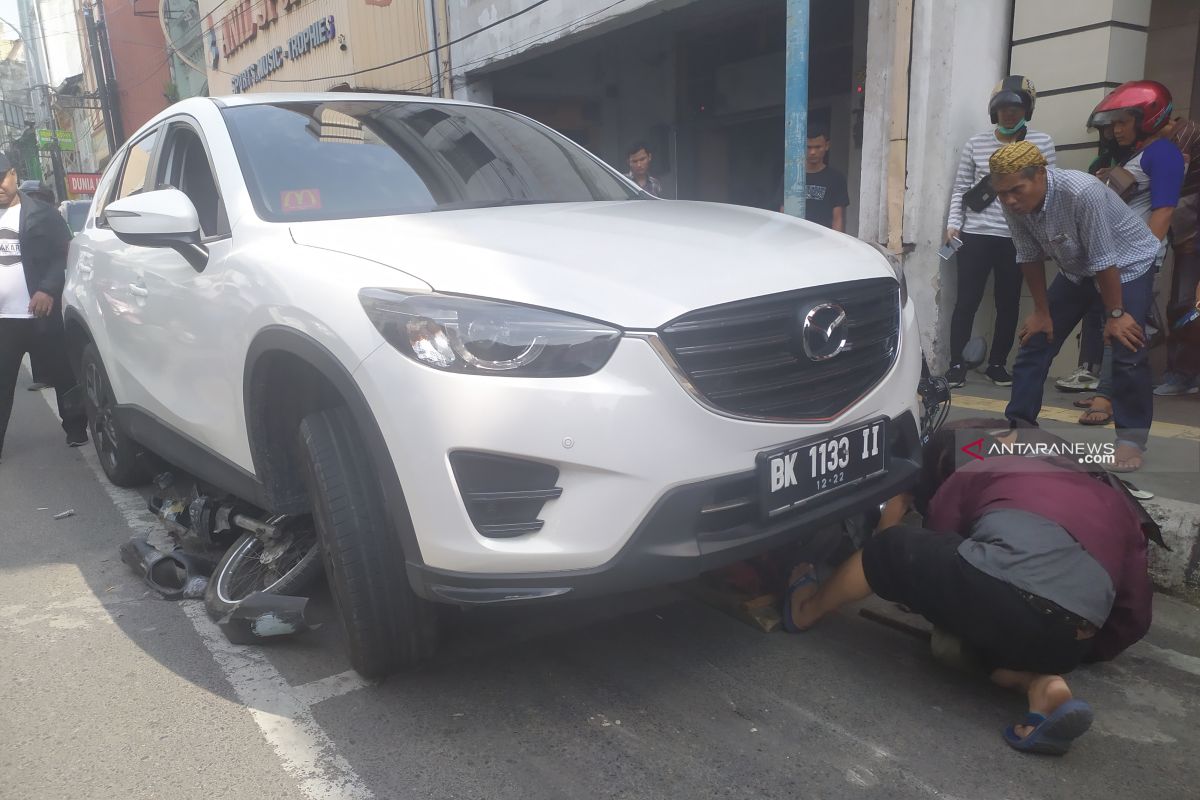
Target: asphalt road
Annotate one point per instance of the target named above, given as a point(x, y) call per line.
point(106, 691)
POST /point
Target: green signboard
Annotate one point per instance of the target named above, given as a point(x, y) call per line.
point(66, 139)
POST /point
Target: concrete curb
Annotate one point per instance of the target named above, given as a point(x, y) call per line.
point(1176, 571)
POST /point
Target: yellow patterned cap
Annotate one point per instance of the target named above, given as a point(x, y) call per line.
point(1016, 157)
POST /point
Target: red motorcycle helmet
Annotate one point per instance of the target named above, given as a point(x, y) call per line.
point(1148, 101)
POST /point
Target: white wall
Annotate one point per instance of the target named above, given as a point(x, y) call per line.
point(959, 53)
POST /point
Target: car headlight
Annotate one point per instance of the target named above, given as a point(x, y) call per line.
point(487, 337)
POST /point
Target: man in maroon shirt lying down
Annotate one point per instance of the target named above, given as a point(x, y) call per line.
point(1033, 563)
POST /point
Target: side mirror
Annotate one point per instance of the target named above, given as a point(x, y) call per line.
point(163, 218)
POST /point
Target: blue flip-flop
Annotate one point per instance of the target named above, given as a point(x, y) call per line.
point(1054, 734)
point(789, 624)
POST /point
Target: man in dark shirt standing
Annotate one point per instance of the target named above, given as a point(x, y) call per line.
point(826, 195)
point(33, 258)
point(640, 157)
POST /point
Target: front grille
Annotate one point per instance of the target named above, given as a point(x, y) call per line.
point(747, 358)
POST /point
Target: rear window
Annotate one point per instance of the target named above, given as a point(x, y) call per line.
point(307, 161)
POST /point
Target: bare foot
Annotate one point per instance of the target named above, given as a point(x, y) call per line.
point(1127, 458)
point(801, 596)
point(1046, 694)
point(894, 511)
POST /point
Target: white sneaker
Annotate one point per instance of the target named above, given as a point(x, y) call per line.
point(1176, 384)
point(1081, 380)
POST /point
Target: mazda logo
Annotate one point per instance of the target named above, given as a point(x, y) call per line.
point(823, 331)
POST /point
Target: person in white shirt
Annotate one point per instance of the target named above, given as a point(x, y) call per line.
point(977, 220)
point(33, 259)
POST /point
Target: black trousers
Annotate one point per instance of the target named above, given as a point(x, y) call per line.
point(923, 570)
point(979, 257)
point(45, 341)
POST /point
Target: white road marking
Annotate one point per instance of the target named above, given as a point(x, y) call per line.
point(1170, 658)
point(282, 712)
point(319, 691)
point(285, 718)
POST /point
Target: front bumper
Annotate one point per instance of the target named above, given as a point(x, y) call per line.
point(633, 451)
point(678, 540)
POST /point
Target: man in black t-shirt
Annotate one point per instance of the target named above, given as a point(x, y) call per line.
point(827, 196)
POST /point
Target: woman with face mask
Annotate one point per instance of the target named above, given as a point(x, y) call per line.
point(977, 221)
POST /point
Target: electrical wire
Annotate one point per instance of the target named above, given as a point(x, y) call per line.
point(422, 54)
point(513, 47)
point(170, 51)
point(447, 45)
point(426, 87)
point(521, 44)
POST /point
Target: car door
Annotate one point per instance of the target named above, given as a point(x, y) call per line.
point(88, 290)
point(130, 355)
point(193, 384)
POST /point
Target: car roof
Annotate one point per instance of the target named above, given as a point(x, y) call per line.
point(267, 98)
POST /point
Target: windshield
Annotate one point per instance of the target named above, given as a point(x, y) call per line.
point(309, 161)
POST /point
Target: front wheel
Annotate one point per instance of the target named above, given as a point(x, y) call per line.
point(387, 626)
point(119, 455)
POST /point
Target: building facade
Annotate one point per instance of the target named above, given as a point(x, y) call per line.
point(898, 84)
point(137, 50)
point(183, 31)
point(317, 45)
point(17, 109)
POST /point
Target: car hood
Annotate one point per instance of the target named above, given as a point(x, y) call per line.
point(637, 264)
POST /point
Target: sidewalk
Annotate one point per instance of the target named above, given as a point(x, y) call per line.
point(1171, 472)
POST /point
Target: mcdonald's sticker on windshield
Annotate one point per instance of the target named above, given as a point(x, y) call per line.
point(294, 200)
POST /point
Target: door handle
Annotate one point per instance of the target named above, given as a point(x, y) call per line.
point(138, 291)
point(84, 271)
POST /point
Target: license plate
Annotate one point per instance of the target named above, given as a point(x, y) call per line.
point(795, 474)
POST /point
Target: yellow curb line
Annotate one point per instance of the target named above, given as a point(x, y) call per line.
point(1163, 430)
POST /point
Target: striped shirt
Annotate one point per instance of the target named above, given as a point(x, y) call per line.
point(972, 167)
point(1085, 227)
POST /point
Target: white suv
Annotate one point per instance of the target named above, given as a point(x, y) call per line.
point(490, 367)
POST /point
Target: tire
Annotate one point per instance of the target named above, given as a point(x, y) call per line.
point(387, 626)
point(290, 569)
point(120, 456)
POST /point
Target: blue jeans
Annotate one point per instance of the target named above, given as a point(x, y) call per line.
point(1091, 338)
point(1133, 397)
point(1105, 389)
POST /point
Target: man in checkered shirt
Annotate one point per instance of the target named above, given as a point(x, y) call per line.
point(1101, 248)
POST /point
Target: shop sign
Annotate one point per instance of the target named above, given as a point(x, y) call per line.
point(241, 25)
point(81, 183)
point(319, 33)
point(66, 139)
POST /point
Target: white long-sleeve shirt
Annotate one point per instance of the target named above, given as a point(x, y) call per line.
point(972, 166)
